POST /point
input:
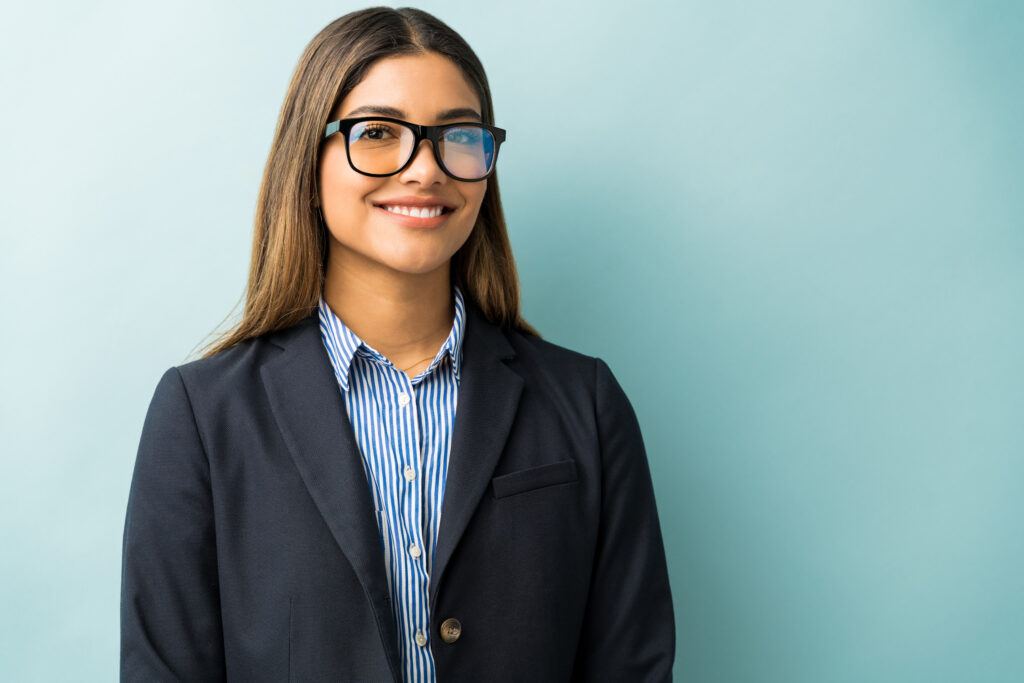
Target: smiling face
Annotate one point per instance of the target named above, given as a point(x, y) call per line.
point(365, 237)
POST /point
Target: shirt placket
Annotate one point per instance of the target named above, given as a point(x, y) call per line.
point(411, 492)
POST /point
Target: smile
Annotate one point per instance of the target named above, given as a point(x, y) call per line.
point(415, 216)
point(417, 211)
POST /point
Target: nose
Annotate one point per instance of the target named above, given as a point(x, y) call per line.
point(423, 168)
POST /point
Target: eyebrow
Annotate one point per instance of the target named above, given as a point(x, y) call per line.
point(447, 114)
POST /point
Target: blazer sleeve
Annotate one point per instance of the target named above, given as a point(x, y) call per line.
point(170, 615)
point(629, 628)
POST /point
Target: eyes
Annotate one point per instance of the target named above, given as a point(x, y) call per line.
point(463, 135)
point(382, 132)
point(382, 146)
point(374, 131)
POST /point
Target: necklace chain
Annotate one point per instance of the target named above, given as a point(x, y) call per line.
point(418, 362)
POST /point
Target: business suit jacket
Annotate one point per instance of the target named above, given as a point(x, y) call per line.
point(251, 548)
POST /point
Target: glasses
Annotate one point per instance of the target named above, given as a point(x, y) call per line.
point(380, 146)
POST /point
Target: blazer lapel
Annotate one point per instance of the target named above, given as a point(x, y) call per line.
point(310, 412)
point(489, 394)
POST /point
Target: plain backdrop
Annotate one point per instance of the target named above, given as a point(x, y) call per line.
point(792, 229)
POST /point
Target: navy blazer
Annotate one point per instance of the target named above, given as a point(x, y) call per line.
point(251, 548)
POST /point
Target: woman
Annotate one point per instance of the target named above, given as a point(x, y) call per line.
point(305, 504)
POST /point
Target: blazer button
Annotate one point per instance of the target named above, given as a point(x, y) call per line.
point(451, 629)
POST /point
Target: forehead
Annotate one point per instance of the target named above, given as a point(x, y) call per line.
point(424, 88)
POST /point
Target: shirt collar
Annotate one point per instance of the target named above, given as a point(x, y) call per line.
point(343, 344)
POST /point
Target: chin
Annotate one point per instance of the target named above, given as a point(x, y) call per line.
point(416, 267)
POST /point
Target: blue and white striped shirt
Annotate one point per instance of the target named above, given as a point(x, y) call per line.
point(403, 428)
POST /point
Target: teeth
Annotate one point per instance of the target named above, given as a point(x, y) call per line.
point(418, 212)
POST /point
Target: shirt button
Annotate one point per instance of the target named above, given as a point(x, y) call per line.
point(410, 473)
point(421, 639)
point(451, 629)
point(414, 550)
point(403, 398)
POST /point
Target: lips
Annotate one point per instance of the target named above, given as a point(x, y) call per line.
point(411, 220)
point(410, 201)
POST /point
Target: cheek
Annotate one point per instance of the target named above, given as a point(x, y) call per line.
point(340, 187)
point(474, 193)
point(328, 167)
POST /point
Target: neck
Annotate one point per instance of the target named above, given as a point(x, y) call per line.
point(405, 317)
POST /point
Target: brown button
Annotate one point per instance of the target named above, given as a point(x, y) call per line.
point(451, 629)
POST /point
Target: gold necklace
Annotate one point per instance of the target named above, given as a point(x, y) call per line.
point(418, 362)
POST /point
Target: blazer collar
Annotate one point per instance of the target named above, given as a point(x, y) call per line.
point(310, 412)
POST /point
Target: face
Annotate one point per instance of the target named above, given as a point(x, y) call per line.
point(363, 234)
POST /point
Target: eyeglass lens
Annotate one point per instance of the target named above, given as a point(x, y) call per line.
point(384, 146)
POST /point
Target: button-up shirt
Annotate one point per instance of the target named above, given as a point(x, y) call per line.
point(403, 429)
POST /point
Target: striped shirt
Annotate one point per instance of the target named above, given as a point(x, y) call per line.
point(403, 428)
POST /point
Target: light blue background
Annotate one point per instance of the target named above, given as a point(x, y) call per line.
point(793, 230)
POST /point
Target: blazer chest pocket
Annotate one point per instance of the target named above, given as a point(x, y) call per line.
point(534, 478)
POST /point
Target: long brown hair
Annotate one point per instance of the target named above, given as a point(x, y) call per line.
point(289, 249)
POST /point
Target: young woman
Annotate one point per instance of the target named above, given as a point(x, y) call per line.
point(383, 473)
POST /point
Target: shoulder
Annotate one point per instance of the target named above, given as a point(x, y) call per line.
point(233, 373)
point(545, 350)
point(559, 366)
point(548, 357)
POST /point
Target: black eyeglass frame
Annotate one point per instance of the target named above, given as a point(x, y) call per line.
point(432, 133)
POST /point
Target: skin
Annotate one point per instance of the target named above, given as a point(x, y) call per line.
point(390, 283)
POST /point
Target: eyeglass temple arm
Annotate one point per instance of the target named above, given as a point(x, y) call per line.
point(332, 128)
